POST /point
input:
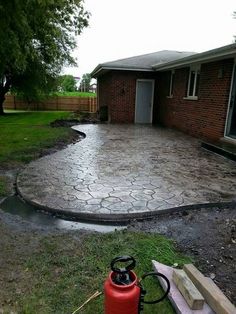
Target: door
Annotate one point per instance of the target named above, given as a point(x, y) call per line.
point(144, 101)
point(231, 120)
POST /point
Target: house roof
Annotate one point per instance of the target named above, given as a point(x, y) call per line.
point(207, 56)
point(142, 62)
point(165, 60)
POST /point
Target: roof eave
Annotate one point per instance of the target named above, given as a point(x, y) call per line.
point(211, 55)
point(100, 68)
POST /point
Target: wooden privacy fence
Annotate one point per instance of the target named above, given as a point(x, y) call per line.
point(65, 103)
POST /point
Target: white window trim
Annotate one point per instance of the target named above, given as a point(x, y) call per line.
point(228, 117)
point(172, 73)
point(195, 68)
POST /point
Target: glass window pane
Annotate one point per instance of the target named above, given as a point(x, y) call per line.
point(170, 77)
point(172, 84)
point(191, 83)
point(197, 84)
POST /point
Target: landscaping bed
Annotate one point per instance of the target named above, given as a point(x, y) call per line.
point(208, 236)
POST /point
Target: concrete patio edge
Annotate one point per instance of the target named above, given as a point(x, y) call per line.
point(120, 218)
point(122, 173)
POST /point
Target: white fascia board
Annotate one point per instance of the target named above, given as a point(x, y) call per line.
point(121, 69)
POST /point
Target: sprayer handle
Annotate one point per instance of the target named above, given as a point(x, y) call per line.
point(157, 274)
point(123, 259)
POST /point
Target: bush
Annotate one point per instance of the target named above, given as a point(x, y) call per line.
point(103, 113)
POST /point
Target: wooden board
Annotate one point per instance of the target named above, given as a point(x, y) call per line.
point(212, 294)
point(190, 293)
point(175, 297)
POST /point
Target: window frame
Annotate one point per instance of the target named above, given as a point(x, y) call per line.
point(196, 69)
point(171, 84)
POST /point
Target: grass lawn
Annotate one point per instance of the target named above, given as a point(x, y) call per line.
point(66, 270)
point(3, 186)
point(24, 134)
point(77, 94)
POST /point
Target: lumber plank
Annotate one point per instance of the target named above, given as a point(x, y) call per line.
point(212, 294)
point(175, 297)
point(190, 293)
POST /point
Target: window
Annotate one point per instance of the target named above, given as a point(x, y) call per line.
point(193, 82)
point(171, 83)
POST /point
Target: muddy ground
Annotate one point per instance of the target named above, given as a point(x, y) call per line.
point(208, 235)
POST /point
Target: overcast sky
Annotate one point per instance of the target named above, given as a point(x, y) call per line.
point(124, 28)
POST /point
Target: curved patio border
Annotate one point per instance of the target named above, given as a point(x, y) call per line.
point(86, 182)
point(122, 218)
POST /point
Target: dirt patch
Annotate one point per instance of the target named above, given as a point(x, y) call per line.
point(64, 123)
point(61, 143)
point(70, 122)
point(209, 236)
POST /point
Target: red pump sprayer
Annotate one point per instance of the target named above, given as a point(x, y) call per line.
point(123, 291)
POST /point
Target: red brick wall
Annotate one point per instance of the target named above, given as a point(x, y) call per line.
point(205, 117)
point(104, 90)
point(117, 90)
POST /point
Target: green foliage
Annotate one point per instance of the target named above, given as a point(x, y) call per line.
point(67, 83)
point(85, 82)
point(76, 94)
point(35, 85)
point(3, 186)
point(65, 271)
point(37, 38)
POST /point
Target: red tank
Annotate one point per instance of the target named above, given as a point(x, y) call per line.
point(121, 298)
point(122, 292)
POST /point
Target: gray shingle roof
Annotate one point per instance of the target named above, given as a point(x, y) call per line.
point(165, 60)
point(142, 62)
point(206, 56)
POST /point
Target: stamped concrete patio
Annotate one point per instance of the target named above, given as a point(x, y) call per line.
point(127, 171)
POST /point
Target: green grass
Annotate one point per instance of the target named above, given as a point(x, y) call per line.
point(24, 134)
point(3, 186)
point(77, 94)
point(65, 272)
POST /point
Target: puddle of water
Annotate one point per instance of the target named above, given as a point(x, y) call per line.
point(15, 206)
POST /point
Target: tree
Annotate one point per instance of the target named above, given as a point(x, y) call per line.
point(37, 37)
point(67, 83)
point(85, 82)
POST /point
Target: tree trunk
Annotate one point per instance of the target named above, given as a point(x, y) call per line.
point(4, 88)
point(2, 98)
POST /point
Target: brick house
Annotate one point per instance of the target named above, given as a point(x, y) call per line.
point(192, 92)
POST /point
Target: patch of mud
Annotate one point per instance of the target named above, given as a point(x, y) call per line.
point(208, 235)
point(71, 122)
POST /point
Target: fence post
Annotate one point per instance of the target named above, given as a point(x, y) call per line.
point(94, 104)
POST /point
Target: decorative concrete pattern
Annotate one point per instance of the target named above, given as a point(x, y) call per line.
point(128, 169)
